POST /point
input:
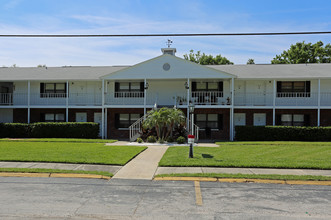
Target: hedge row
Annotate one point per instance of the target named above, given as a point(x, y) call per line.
point(50, 130)
point(282, 133)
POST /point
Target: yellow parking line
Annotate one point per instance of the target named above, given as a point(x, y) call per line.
point(198, 196)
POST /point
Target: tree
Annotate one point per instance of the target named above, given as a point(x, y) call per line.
point(164, 120)
point(303, 52)
point(250, 61)
point(204, 59)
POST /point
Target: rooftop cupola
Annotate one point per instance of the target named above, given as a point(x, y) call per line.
point(169, 50)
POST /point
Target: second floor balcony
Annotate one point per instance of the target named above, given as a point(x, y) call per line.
point(138, 99)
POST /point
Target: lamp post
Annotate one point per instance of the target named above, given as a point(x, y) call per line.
point(191, 136)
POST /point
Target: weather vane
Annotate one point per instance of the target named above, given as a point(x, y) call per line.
point(169, 42)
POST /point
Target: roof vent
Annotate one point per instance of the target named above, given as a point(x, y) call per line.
point(169, 50)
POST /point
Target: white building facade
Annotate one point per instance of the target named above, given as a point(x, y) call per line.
point(118, 96)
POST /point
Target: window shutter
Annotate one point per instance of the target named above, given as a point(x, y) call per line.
point(220, 121)
point(307, 120)
point(42, 89)
point(42, 117)
point(279, 86)
point(220, 86)
point(142, 86)
point(194, 86)
point(278, 119)
point(307, 86)
point(117, 86)
point(117, 120)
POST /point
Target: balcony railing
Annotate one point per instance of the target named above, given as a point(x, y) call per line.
point(6, 98)
point(253, 99)
point(85, 99)
point(129, 98)
point(137, 98)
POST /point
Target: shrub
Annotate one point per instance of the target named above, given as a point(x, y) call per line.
point(50, 130)
point(282, 133)
point(161, 141)
point(139, 140)
point(170, 139)
point(151, 139)
point(64, 130)
point(14, 130)
point(181, 140)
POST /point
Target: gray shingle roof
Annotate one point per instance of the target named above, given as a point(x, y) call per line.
point(277, 71)
point(254, 71)
point(56, 73)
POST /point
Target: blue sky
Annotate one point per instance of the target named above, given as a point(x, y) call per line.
point(137, 16)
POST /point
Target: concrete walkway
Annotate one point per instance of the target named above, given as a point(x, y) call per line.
point(170, 170)
point(144, 165)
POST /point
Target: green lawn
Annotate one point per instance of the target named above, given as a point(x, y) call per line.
point(38, 170)
point(315, 155)
point(59, 140)
point(67, 152)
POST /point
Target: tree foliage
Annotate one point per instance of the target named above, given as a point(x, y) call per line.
point(250, 61)
point(303, 52)
point(204, 59)
point(164, 120)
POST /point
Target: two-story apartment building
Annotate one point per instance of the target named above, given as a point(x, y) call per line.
point(117, 96)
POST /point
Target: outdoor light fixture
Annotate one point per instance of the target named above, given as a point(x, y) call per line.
point(186, 85)
point(146, 86)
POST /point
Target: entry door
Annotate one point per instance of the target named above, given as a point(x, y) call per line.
point(260, 96)
point(81, 117)
point(259, 119)
point(98, 119)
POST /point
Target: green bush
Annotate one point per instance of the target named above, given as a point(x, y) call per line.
point(49, 130)
point(64, 130)
point(161, 141)
point(170, 139)
point(151, 139)
point(282, 133)
point(139, 140)
point(14, 130)
point(181, 140)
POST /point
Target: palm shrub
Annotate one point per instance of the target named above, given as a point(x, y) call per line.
point(164, 120)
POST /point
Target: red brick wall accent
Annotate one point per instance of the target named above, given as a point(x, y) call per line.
point(116, 133)
point(311, 112)
point(221, 134)
point(250, 115)
point(90, 114)
point(20, 115)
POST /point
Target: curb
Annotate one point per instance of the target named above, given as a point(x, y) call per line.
point(55, 175)
point(233, 180)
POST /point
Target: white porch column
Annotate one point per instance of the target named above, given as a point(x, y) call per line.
point(274, 103)
point(29, 101)
point(232, 111)
point(106, 133)
point(67, 102)
point(319, 104)
point(103, 110)
point(188, 103)
point(145, 93)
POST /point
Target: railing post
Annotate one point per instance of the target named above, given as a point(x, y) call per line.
point(102, 110)
point(145, 93)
